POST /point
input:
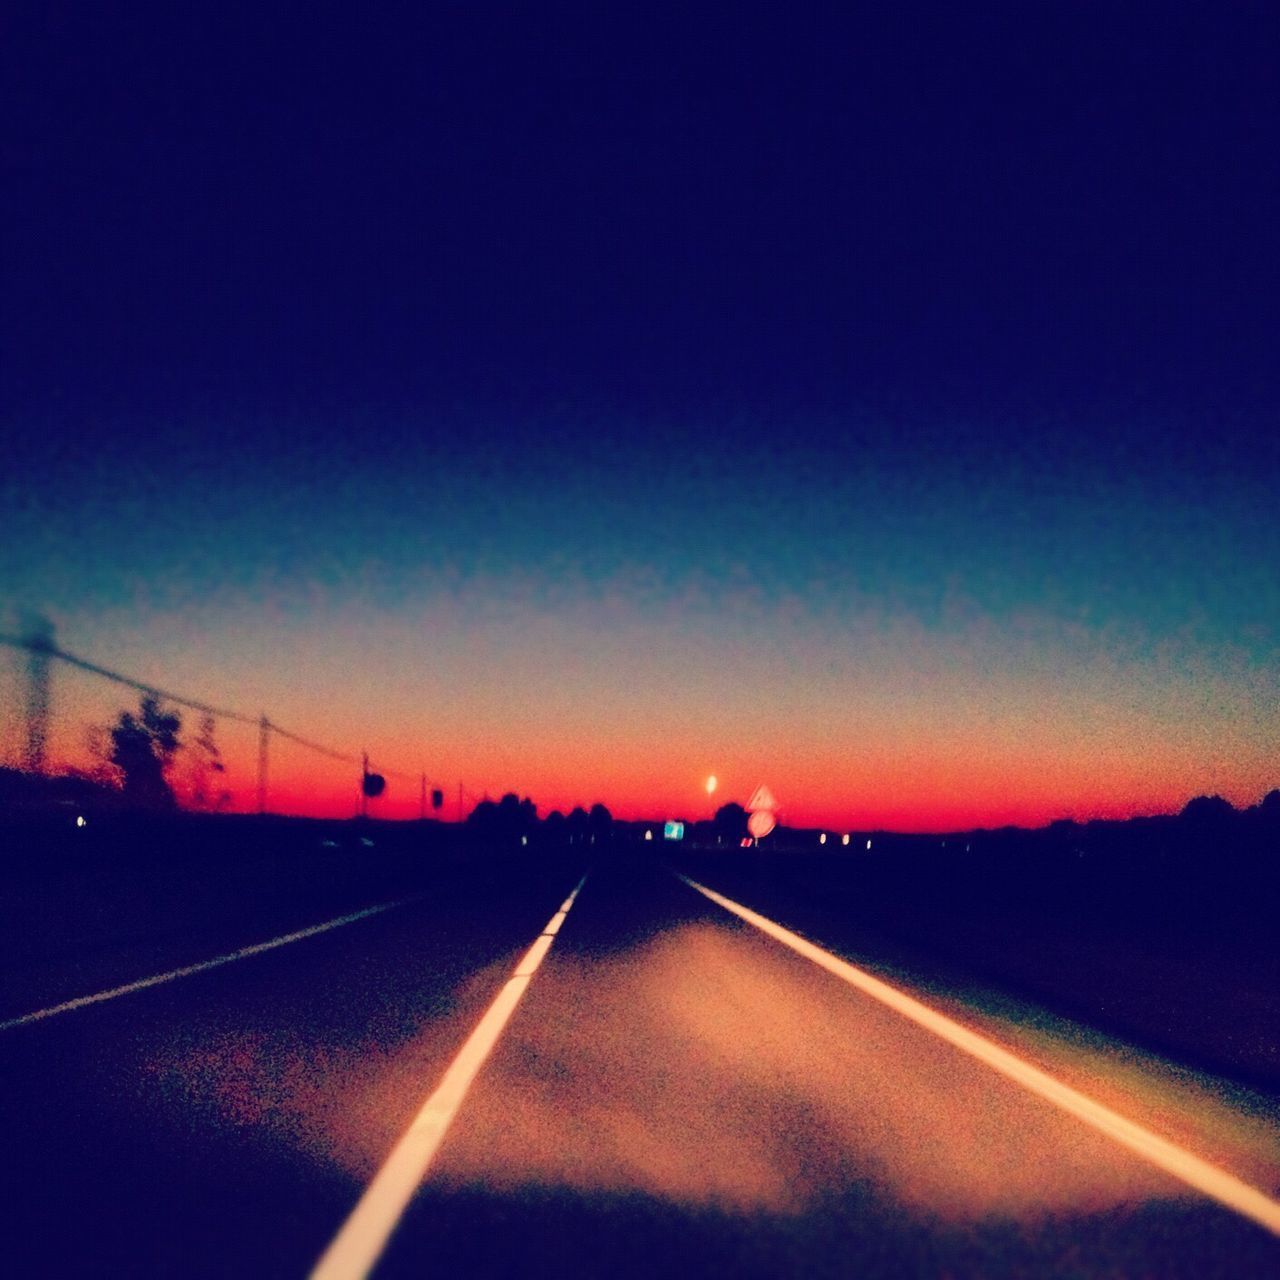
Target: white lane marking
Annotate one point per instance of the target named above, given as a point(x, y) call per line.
point(363, 1237)
point(186, 971)
point(529, 965)
point(1199, 1174)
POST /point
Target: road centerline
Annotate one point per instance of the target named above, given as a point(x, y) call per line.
point(1219, 1185)
point(363, 1237)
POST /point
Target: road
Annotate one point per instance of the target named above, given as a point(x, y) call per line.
point(675, 1091)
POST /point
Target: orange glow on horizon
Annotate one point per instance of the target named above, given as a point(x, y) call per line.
point(894, 772)
point(907, 794)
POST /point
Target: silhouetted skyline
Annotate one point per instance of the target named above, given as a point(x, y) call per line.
point(582, 403)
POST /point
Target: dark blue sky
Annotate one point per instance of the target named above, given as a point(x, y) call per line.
point(744, 315)
point(997, 211)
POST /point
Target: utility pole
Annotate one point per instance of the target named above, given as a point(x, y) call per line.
point(39, 645)
point(264, 731)
point(459, 802)
point(422, 800)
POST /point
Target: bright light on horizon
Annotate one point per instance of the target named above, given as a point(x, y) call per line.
point(711, 784)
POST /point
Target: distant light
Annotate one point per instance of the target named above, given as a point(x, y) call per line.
point(673, 831)
point(80, 822)
point(648, 835)
point(868, 844)
point(844, 839)
point(524, 839)
point(711, 784)
point(364, 840)
point(822, 839)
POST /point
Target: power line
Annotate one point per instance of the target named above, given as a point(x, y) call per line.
point(314, 746)
point(84, 664)
point(261, 722)
point(47, 649)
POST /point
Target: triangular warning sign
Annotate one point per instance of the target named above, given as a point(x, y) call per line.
point(762, 801)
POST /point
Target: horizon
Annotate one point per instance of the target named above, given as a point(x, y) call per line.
point(306, 800)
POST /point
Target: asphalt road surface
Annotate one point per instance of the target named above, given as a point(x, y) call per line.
point(662, 1088)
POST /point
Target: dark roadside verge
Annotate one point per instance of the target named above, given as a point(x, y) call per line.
point(86, 908)
point(1170, 945)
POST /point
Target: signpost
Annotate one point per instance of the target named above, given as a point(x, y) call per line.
point(761, 809)
point(372, 785)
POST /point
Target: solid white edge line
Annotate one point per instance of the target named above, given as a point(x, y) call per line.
point(81, 1002)
point(1208, 1179)
point(363, 1237)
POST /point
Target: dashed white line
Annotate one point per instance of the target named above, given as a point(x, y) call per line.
point(81, 1002)
point(1208, 1179)
point(363, 1237)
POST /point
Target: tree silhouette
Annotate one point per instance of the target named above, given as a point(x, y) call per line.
point(516, 815)
point(483, 814)
point(142, 748)
point(505, 821)
point(578, 823)
point(730, 823)
point(600, 824)
point(1269, 806)
point(208, 773)
point(1207, 811)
